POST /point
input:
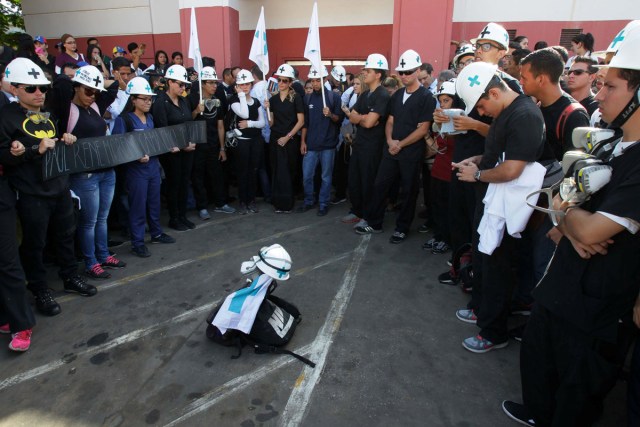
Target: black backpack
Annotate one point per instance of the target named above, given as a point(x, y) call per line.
point(272, 329)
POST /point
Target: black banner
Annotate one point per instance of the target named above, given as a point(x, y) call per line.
point(88, 154)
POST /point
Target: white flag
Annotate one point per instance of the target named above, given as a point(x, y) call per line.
point(259, 52)
point(239, 309)
point(312, 48)
point(194, 44)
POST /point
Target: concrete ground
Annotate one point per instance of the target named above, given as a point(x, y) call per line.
point(380, 327)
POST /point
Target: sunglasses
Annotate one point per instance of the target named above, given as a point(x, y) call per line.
point(576, 72)
point(407, 73)
point(33, 89)
point(485, 47)
point(284, 81)
point(180, 84)
point(90, 92)
point(144, 99)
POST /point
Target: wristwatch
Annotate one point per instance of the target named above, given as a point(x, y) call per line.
point(476, 175)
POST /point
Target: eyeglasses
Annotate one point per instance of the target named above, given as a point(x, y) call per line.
point(407, 73)
point(144, 99)
point(486, 47)
point(180, 84)
point(576, 72)
point(284, 81)
point(465, 63)
point(90, 92)
point(32, 89)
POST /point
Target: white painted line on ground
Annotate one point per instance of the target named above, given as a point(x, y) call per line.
point(296, 407)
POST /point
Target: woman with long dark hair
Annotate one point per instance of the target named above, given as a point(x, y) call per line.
point(159, 65)
point(69, 53)
point(94, 56)
point(143, 178)
point(581, 45)
point(171, 108)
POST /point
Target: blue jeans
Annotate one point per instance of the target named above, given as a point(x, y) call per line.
point(309, 164)
point(96, 193)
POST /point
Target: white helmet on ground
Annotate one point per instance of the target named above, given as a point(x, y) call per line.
point(89, 76)
point(208, 73)
point(177, 72)
point(314, 74)
point(275, 262)
point(243, 77)
point(285, 70)
point(472, 82)
point(409, 60)
point(495, 33)
point(139, 86)
point(376, 61)
point(464, 50)
point(339, 73)
point(25, 71)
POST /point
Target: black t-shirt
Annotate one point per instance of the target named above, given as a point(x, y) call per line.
point(590, 104)
point(418, 108)
point(518, 132)
point(372, 102)
point(285, 113)
point(551, 116)
point(211, 114)
point(594, 293)
point(166, 113)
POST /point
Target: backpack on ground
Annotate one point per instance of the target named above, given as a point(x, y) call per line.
point(272, 329)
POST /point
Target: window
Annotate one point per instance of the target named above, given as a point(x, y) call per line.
point(566, 35)
point(512, 34)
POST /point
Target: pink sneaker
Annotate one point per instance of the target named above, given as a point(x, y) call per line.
point(4, 329)
point(21, 341)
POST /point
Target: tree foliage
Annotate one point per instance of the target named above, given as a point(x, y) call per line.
point(10, 17)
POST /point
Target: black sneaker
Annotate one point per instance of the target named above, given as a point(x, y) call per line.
point(517, 332)
point(186, 222)
point(338, 200)
point(45, 303)
point(424, 228)
point(78, 285)
point(304, 208)
point(141, 251)
point(367, 229)
point(177, 225)
point(397, 237)
point(163, 238)
point(517, 412)
point(429, 244)
point(447, 278)
point(323, 211)
point(518, 308)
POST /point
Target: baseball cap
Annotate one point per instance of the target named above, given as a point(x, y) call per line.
point(40, 39)
point(119, 49)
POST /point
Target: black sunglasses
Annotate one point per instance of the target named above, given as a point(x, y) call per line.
point(33, 88)
point(576, 72)
point(407, 73)
point(181, 84)
point(284, 81)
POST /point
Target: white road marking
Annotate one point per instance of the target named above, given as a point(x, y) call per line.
point(296, 407)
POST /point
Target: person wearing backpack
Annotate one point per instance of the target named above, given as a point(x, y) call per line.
point(142, 176)
point(319, 141)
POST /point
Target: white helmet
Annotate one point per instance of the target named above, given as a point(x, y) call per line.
point(495, 33)
point(447, 88)
point(177, 72)
point(627, 55)
point(139, 86)
point(472, 81)
point(285, 70)
point(621, 36)
point(25, 71)
point(313, 73)
point(89, 76)
point(409, 60)
point(208, 73)
point(339, 73)
point(244, 76)
point(464, 50)
point(377, 62)
point(275, 262)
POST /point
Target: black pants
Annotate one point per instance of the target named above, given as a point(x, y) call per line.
point(249, 154)
point(565, 373)
point(479, 189)
point(409, 173)
point(440, 209)
point(14, 308)
point(633, 390)
point(177, 169)
point(462, 206)
point(207, 174)
point(363, 168)
point(341, 171)
point(287, 157)
point(426, 192)
point(36, 213)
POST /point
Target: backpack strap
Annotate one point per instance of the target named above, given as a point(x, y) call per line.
point(128, 122)
point(262, 349)
point(562, 120)
point(74, 113)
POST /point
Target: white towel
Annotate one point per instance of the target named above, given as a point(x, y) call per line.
point(240, 308)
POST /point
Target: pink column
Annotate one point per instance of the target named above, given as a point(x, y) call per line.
point(424, 26)
point(218, 33)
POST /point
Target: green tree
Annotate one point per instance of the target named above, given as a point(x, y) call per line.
point(10, 16)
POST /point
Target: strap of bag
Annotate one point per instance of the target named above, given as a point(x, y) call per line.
point(562, 120)
point(261, 349)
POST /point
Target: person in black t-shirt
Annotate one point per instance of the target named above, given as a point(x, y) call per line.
point(515, 139)
point(570, 357)
point(369, 113)
point(410, 116)
point(580, 78)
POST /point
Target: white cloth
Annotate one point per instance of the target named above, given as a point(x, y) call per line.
point(239, 309)
point(116, 107)
point(505, 205)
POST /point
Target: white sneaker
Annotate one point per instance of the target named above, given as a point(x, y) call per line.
point(225, 209)
point(361, 223)
point(204, 214)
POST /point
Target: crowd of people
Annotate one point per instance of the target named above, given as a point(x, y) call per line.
point(478, 137)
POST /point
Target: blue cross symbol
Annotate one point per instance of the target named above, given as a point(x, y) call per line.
point(264, 35)
point(6, 72)
point(130, 86)
point(170, 72)
point(618, 38)
point(78, 72)
point(380, 63)
point(474, 80)
point(281, 273)
point(148, 88)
